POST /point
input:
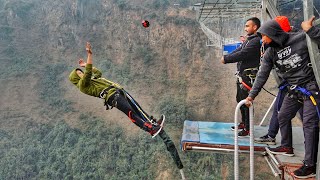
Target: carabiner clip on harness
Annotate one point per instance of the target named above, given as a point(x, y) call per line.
point(251, 73)
point(103, 95)
point(242, 82)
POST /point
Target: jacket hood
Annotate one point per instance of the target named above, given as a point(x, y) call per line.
point(273, 30)
point(74, 77)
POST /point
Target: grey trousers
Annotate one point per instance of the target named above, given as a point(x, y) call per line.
point(310, 122)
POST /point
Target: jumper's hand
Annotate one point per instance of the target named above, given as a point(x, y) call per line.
point(88, 48)
point(82, 63)
point(249, 101)
point(306, 25)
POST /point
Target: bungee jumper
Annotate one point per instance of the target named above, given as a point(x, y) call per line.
point(91, 83)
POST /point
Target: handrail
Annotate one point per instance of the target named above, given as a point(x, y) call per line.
point(236, 147)
point(268, 111)
point(314, 58)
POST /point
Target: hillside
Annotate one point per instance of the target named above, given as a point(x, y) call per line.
point(57, 132)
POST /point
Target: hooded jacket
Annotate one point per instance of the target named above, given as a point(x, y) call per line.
point(247, 55)
point(288, 54)
point(92, 84)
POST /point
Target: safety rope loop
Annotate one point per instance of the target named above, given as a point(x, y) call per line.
point(130, 116)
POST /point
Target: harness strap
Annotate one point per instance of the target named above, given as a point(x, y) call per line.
point(305, 92)
point(250, 72)
point(104, 93)
point(242, 82)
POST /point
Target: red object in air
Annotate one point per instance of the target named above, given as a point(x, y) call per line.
point(145, 23)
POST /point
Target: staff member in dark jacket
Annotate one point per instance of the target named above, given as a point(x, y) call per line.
point(288, 52)
point(247, 57)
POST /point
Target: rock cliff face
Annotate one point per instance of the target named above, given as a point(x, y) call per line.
point(167, 66)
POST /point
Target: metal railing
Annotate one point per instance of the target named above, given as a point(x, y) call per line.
point(236, 147)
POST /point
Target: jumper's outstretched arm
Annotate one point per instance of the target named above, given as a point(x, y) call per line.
point(89, 53)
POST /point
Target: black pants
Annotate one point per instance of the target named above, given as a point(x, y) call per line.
point(274, 122)
point(310, 122)
point(123, 105)
point(242, 93)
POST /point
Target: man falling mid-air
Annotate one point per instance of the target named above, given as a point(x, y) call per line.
point(91, 83)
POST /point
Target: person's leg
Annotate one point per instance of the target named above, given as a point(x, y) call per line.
point(123, 105)
point(270, 137)
point(311, 132)
point(135, 105)
point(274, 122)
point(288, 110)
point(239, 97)
point(311, 140)
point(245, 116)
point(243, 94)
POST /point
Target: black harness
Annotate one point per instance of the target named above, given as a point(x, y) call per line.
point(104, 93)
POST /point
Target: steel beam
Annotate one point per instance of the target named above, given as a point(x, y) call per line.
point(314, 57)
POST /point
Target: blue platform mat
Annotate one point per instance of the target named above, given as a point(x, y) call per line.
point(217, 133)
point(218, 136)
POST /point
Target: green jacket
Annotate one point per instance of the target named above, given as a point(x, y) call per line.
point(92, 84)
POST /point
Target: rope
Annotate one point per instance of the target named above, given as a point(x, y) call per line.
point(269, 92)
point(182, 174)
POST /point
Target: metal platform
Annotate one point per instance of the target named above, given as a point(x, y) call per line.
point(218, 137)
